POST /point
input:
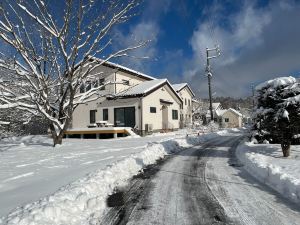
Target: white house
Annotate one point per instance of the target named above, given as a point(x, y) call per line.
point(130, 99)
point(229, 118)
point(186, 109)
point(216, 106)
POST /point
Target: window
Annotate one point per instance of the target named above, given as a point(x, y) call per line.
point(105, 114)
point(88, 86)
point(93, 116)
point(181, 117)
point(125, 82)
point(152, 109)
point(181, 106)
point(226, 120)
point(189, 102)
point(82, 88)
point(185, 101)
point(175, 114)
point(101, 82)
point(95, 83)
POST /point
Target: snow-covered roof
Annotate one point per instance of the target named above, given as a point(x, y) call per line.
point(280, 81)
point(145, 88)
point(179, 87)
point(142, 88)
point(215, 105)
point(235, 111)
point(220, 112)
point(123, 68)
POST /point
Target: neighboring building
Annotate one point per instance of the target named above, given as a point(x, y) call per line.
point(130, 99)
point(186, 109)
point(216, 106)
point(229, 118)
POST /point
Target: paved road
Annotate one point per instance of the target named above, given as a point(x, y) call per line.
point(201, 185)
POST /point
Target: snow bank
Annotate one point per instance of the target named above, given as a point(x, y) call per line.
point(83, 201)
point(265, 162)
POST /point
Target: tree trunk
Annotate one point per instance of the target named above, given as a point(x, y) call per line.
point(285, 146)
point(57, 138)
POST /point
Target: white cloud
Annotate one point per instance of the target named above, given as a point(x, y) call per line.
point(256, 44)
point(143, 31)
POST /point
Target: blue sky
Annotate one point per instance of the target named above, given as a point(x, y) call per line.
point(259, 41)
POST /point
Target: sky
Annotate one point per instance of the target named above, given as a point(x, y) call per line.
point(259, 40)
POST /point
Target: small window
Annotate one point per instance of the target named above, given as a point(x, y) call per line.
point(189, 102)
point(95, 83)
point(181, 117)
point(175, 114)
point(185, 101)
point(152, 109)
point(101, 82)
point(226, 120)
point(93, 116)
point(125, 82)
point(82, 88)
point(88, 86)
point(105, 114)
point(181, 106)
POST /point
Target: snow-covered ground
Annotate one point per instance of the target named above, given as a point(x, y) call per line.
point(266, 163)
point(68, 184)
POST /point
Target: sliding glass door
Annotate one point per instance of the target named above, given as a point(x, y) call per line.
point(125, 117)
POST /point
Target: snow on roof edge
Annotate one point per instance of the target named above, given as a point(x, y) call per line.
point(123, 68)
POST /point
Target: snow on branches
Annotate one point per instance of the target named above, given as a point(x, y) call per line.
point(277, 114)
point(50, 50)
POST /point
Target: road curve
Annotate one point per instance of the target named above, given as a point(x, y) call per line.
point(200, 185)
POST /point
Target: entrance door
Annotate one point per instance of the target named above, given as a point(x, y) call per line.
point(165, 117)
point(125, 117)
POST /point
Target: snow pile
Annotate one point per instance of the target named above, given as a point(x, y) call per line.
point(265, 162)
point(83, 201)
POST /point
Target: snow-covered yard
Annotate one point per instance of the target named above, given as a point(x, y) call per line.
point(68, 184)
point(266, 163)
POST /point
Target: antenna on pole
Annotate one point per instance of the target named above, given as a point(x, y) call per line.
point(217, 53)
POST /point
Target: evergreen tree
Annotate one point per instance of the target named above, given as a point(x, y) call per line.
point(277, 115)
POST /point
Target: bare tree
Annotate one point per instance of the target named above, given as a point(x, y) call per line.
point(52, 47)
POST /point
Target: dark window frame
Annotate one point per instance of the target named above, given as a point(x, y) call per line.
point(101, 82)
point(93, 116)
point(174, 114)
point(226, 120)
point(105, 114)
point(152, 109)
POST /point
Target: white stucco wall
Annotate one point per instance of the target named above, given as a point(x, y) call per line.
point(81, 115)
point(185, 94)
point(133, 80)
point(234, 119)
point(153, 100)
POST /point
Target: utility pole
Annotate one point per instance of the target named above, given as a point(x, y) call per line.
point(208, 70)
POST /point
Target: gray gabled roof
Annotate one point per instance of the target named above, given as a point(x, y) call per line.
point(142, 88)
point(179, 87)
point(123, 68)
point(145, 88)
